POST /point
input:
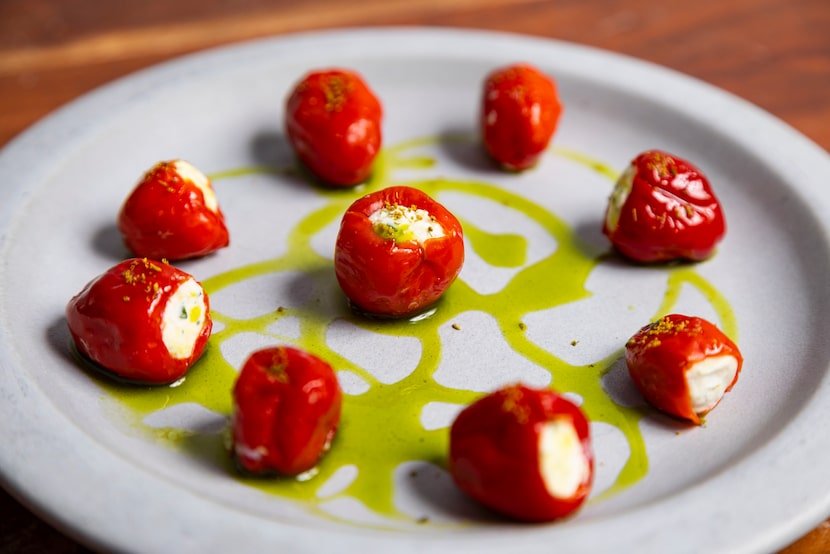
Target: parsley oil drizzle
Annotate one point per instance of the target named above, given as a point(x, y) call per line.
point(381, 427)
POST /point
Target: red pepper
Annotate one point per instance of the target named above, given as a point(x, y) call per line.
point(333, 122)
point(141, 320)
point(662, 209)
point(286, 411)
point(523, 452)
point(683, 365)
point(401, 263)
point(520, 111)
point(173, 214)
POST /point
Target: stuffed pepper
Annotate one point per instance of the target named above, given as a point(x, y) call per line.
point(683, 365)
point(663, 208)
point(519, 113)
point(333, 123)
point(523, 452)
point(173, 214)
point(286, 409)
point(141, 320)
point(397, 251)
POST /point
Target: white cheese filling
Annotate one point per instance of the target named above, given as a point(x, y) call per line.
point(189, 173)
point(618, 197)
point(405, 224)
point(562, 461)
point(183, 319)
point(708, 379)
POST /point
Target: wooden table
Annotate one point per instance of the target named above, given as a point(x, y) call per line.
point(774, 53)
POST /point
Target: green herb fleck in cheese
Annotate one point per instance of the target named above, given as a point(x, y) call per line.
point(405, 224)
point(183, 319)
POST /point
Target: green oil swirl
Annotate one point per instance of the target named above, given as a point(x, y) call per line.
point(381, 428)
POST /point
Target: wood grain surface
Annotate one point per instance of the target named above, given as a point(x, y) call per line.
point(774, 53)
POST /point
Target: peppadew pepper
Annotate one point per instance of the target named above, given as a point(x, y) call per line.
point(141, 320)
point(523, 452)
point(683, 365)
point(333, 123)
point(663, 208)
point(519, 113)
point(173, 214)
point(397, 251)
point(286, 410)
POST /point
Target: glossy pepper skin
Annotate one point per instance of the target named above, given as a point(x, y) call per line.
point(286, 409)
point(172, 213)
point(117, 321)
point(496, 453)
point(519, 114)
point(662, 209)
point(660, 354)
point(392, 276)
point(333, 123)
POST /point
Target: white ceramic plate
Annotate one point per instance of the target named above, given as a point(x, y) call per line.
point(752, 479)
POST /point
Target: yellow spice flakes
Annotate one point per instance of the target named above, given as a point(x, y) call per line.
point(512, 404)
point(650, 336)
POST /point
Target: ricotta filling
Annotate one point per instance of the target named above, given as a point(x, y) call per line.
point(707, 381)
point(405, 224)
point(619, 196)
point(562, 461)
point(183, 319)
point(189, 173)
